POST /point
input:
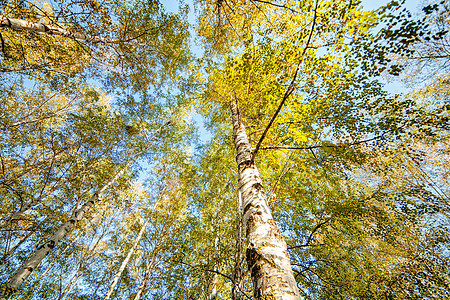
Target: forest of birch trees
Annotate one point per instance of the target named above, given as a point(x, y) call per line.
point(224, 149)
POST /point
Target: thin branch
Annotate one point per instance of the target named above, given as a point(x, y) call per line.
point(31, 67)
point(311, 235)
point(320, 146)
point(291, 87)
point(285, 169)
point(304, 246)
point(267, 18)
point(320, 277)
point(3, 164)
point(314, 155)
point(430, 57)
point(277, 5)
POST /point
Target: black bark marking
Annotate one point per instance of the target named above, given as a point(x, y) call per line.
point(258, 186)
point(4, 53)
point(246, 208)
point(51, 244)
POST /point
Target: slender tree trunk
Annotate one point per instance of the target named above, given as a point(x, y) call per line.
point(83, 262)
point(267, 256)
point(150, 264)
point(136, 241)
point(126, 260)
point(22, 274)
point(71, 284)
point(148, 272)
point(51, 30)
point(238, 276)
point(213, 295)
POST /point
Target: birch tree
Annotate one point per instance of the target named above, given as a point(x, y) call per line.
point(22, 274)
point(266, 251)
point(285, 88)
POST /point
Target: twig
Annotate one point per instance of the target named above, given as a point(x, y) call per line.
point(283, 172)
point(3, 164)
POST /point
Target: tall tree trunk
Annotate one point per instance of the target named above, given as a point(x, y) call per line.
point(30, 290)
point(84, 261)
point(267, 256)
point(51, 30)
point(151, 263)
point(126, 260)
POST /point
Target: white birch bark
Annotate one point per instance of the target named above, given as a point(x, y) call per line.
point(125, 261)
point(267, 256)
point(29, 293)
point(51, 30)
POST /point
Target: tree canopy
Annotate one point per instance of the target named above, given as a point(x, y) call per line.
point(224, 150)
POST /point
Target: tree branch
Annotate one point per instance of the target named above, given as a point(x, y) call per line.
point(277, 5)
point(290, 89)
point(310, 236)
point(320, 146)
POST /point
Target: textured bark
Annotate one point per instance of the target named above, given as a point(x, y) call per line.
point(125, 261)
point(267, 256)
point(30, 290)
point(51, 30)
